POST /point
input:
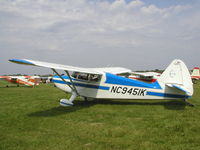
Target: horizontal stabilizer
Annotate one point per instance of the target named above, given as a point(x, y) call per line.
point(180, 87)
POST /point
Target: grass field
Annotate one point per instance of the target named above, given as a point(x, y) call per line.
point(31, 119)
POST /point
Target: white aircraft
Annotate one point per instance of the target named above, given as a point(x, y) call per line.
point(106, 83)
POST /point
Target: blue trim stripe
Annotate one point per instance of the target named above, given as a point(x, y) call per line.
point(83, 85)
point(167, 95)
point(118, 80)
point(63, 76)
point(21, 61)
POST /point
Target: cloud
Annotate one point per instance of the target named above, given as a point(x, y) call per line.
point(60, 30)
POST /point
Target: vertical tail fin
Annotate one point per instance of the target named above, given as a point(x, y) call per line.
point(195, 72)
point(178, 76)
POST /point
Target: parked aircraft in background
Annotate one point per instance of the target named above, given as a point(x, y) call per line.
point(46, 79)
point(195, 75)
point(22, 80)
point(106, 83)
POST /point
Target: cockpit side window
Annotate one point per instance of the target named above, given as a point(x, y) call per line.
point(86, 76)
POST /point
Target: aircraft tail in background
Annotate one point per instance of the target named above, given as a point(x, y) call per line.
point(196, 73)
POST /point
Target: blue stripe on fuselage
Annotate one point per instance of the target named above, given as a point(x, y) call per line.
point(167, 95)
point(82, 84)
point(118, 80)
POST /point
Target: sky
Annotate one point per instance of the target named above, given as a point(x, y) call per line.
point(136, 34)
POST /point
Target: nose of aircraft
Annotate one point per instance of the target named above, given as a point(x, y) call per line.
point(59, 83)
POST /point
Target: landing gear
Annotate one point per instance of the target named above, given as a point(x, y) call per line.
point(66, 102)
point(189, 104)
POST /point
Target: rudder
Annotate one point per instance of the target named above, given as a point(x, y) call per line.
point(178, 76)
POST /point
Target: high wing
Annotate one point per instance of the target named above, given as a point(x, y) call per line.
point(113, 70)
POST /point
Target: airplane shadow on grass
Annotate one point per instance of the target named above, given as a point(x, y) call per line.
point(78, 105)
point(59, 110)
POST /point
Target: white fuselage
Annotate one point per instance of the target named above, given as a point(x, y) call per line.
point(111, 86)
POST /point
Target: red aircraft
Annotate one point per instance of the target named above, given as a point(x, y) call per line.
point(23, 80)
point(195, 74)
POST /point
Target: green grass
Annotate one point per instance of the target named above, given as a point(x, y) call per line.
point(31, 119)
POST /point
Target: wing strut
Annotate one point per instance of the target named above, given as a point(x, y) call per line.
point(73, 88)
point(71, 82)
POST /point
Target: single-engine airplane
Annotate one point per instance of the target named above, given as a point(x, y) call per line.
point(23, 80)
point(106, 83)
point(195, 75)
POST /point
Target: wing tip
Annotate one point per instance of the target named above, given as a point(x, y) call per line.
point(21, 61)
